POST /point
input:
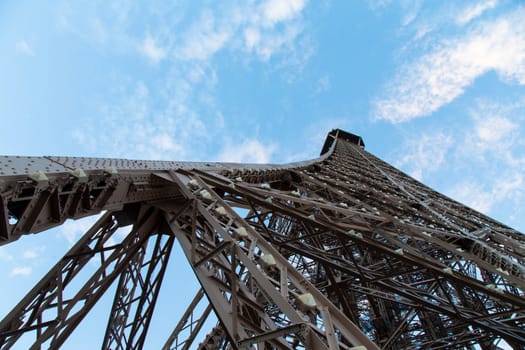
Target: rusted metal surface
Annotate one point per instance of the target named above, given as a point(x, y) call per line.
point(340, 251)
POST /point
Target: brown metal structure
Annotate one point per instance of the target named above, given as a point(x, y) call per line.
point(340, 252)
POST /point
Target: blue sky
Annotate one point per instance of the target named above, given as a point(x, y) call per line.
point(435, 88)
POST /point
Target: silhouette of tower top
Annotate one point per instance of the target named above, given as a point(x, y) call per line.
point(339, 252)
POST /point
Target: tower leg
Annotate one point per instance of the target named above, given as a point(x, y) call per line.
point(47, 312)
point(136, 295)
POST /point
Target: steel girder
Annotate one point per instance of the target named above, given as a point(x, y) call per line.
point(335, 252)
point(406, 292)
point(256, 293)
point(51, 309)
point(190, 323)
point(136, 295)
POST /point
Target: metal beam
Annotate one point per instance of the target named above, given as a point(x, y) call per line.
point(136, 295)
point(190, 324)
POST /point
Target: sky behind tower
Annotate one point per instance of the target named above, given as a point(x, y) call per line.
point(435, 88)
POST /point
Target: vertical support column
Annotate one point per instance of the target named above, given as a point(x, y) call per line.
point(46, 298)
point(122, 303)
point(47, 312)
point(136, 295)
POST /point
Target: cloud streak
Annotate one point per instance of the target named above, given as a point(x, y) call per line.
point(485, 198)
point(21, 271)
point(425, 154)
point(439, 76)
point(151, 50)
point(475, 10)
point(265, 29)
point(480, 164)
point(176, 117)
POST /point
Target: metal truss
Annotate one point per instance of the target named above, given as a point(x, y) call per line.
point(51, 310)
point(340, 252)
point(256, 293)
point(136, 296)
point(190, 324)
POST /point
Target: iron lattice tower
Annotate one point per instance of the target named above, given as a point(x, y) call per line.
point(340, 252)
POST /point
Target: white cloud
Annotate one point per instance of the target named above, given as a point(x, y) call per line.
point(252, 37)
point(171, 129)
point(282, 10)
point(494, 129)
point(166, 143)
point(247, 151)
point(477, 196)
point(425, 154)
point(475, 10)
point(33, 253)
point(411, 10)
point(490, 150)
point(151, 50)
point(272, 42)
point(472, 195)
point(480, 163)
point(23, 48)
point(21, 271)
point(438, 77)
point(496, 133)
point(176, 117)
point(264, 29)
point(205, 38)
point(273, 28)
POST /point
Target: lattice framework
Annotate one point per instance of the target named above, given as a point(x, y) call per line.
point(334, 253)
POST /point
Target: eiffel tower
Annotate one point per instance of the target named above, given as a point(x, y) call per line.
point(339, 252)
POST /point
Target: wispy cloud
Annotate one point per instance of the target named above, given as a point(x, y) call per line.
point(474, 10)
point(182, 115)
point(266, 29)
point(33, 253)
point(494, 129)
point(494, 146)
point(21, 271)
point(425, 154)
point(151, 50)
point(247, 151)
point(167, 128)
point(496, 135)
point(439, 76)
point(282, 10)
point(481, 164)
point(23, 48)
point(206, 36)
point(484, 197)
